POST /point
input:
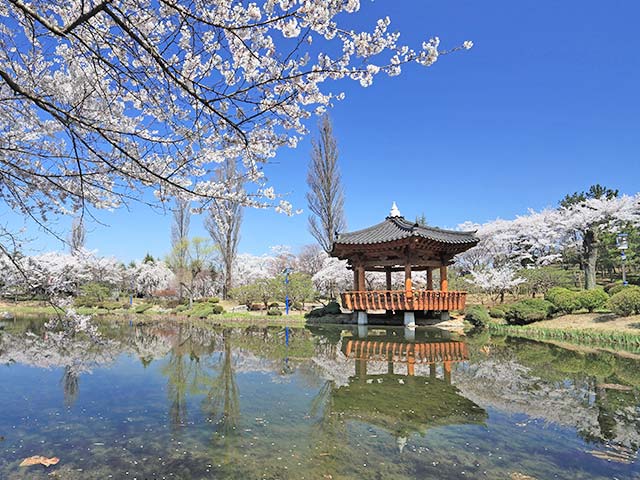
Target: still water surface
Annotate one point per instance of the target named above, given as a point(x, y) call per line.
point(191, 401)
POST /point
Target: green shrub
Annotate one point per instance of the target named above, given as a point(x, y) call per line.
point(205, 300)
point(95, 291)
point(331, 308)
point(274, 305)
point(142, 308)
point(593, 299)
point(181, 308)
point(273, 311)
point(297, 306)
point(497, 312)
point(217, 309)
point(529, 310)
point(201, 310)
point(109, 305)
point(614, 287)
point(477, 315)
point(551, 294)
point(316, 312)
point(563, 299)
point(86, 302)
point(626, 302)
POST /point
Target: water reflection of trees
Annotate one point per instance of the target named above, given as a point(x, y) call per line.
point(70, 385)
point(221, 404)
point(597, 393)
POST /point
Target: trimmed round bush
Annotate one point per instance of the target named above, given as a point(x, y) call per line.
point(593, 299)
point(614, 288)
point(217, 309)
point(142, 308)
point(477, 315)
point(274, 305)
point(497, 312)
point(563, 299)
point(203, 310)
point(528, 311)
point(274, 312)
point(213, 300)
point(332, 308)
point(626, 302)
point(110, 305)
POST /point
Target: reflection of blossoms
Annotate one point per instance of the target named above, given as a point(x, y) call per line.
point(71, 323)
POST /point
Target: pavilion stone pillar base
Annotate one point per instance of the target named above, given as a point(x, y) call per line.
point(444, 315)
point(362, 318)
point(409, 334)
point(363, 331)
point(409, 319)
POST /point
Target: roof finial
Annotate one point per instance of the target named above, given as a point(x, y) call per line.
point(394, 211)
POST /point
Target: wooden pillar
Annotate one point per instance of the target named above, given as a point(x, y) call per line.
point(387, 271)
point(429, 278)
point(361, 283)
point(407, 271)
point(408, 286)
point(447, 372)
point(411, 365)
point(361, 367)
point(355, 278)
point(432, 370)
point(444, 284)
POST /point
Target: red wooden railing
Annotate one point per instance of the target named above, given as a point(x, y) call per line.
point(401, 300)
point(404, 352)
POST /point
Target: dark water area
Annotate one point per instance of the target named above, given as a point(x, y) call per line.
point(192, 401)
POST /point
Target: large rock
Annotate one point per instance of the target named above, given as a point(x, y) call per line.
point(239, 308)
point(6, 316)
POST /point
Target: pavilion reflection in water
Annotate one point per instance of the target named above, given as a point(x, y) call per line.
point(404, 399)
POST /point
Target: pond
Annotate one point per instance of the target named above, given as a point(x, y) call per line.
point(191, 401)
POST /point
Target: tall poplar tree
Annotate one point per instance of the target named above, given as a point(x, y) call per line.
point(325, 197)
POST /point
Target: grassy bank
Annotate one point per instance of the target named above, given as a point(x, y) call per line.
point(626, 339)
point(226, 318)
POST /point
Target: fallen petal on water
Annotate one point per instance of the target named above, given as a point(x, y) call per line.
point(39, 460)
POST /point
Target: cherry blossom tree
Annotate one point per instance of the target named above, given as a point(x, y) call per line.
point(151, 276)
point(310, 259)
point(333, 277)
point(104, 99)
point(496, 281)
point(539, 238)
point(582, 221)
point(249, 268)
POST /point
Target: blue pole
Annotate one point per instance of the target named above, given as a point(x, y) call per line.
point(286, 299)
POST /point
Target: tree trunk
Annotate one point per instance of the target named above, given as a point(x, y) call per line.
point(227, 278)
point(590, 253)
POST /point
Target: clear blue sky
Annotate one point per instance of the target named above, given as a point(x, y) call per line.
point(546, 103)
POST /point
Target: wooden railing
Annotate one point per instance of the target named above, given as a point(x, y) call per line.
point(400, 300)
point(404, 352)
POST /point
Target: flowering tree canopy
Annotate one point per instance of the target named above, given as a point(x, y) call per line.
point(103, 98)
point(539, 238)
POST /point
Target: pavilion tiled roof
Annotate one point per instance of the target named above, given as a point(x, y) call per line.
point(395, 228)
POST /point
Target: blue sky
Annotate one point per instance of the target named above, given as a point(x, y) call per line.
point(546, 103)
